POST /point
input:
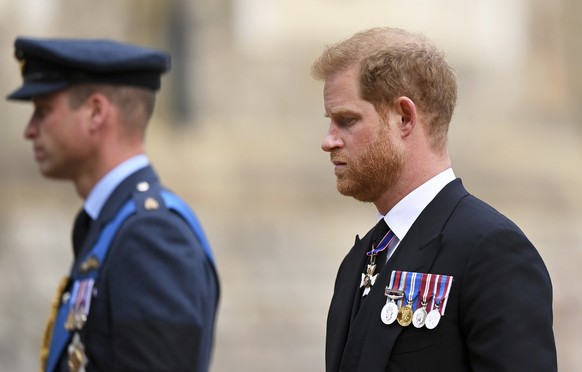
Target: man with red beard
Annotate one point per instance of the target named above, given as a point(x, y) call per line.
point(443, 282)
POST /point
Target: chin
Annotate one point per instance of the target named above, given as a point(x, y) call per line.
point(52, 173)
point(366, 196)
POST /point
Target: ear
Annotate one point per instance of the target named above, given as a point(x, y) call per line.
point(99, 109)
point(406, 109)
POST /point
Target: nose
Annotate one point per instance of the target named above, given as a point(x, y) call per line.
point(31, 130)
point(331, 141)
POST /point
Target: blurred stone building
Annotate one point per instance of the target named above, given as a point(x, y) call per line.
point(237, 133)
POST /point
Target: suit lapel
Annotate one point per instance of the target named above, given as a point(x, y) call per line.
point(363, 246)
point(370, 341)
point(345, 301)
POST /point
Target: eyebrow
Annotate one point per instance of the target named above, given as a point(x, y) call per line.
point(341, 111)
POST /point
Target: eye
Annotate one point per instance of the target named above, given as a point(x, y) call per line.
point(346, 121)
point(41, 111)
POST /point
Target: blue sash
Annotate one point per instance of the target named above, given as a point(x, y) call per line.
point(60, 335)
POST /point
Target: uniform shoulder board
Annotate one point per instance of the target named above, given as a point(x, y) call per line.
point(147, 197)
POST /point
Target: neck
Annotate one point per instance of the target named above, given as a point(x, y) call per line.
point(413, 176)
point(95, 172)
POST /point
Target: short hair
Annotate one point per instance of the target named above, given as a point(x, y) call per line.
point(136, 105)
point(394, 63)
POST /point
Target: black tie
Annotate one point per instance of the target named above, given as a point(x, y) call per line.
point(80, 229)
point(380, 230)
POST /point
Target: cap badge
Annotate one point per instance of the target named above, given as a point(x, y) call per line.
point(22, 64)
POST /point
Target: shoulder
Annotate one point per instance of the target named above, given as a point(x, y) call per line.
point(157, 238)
point(154, 213)
point(474, 214)
point(144, 218)
point(476, 232)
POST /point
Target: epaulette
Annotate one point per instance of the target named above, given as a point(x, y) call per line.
point(148, 197)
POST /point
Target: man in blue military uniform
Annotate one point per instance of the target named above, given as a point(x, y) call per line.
point(143, 290)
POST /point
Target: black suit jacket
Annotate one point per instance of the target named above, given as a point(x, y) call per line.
point(154, 304)
point(499, 311)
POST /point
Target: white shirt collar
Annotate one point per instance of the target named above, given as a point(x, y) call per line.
point(401, 217)
point(103, 189)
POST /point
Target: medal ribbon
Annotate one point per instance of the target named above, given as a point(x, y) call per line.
point(435, 289)
point(415, 286)
point(81, 297)
point(446, 282)
point(402, 286)
point(419, 288)
point(382, 245)
point(441, 289)
point(368, 277)
point(425, 285)
point(395, 279)
point(395, 284)
point(392, 277)
point(410, 284)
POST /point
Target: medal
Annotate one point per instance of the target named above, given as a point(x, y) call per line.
point(442, 287)
point(77, 359)
point(426, 297)
point(389, 313)
point(78, 311)
point(419, 317)
point(393, 293)
point(404, 317)
point(80, 304)
point(369, 278)
point(433, 318)
point(390, 310)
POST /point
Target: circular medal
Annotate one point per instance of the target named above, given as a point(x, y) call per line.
point(432, 319)
point(404, 317)
point(389, 313)
point(419, 317)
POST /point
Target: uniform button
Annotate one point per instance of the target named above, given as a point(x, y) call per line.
point(143, 186)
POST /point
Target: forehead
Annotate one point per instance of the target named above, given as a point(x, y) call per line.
point(345, 80)
point(341, 91)
point(54, 97)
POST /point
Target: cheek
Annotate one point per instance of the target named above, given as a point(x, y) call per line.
point(364, 139)
point(68, 136)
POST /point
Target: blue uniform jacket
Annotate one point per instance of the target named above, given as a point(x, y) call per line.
point(154, 303)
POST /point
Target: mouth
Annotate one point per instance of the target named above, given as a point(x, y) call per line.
point(339, 164)
point(38, 153)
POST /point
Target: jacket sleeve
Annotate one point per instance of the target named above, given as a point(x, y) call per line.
point(163, 296)
point(506, 305)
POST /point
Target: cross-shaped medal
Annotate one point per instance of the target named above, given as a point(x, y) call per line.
point(369, 278)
